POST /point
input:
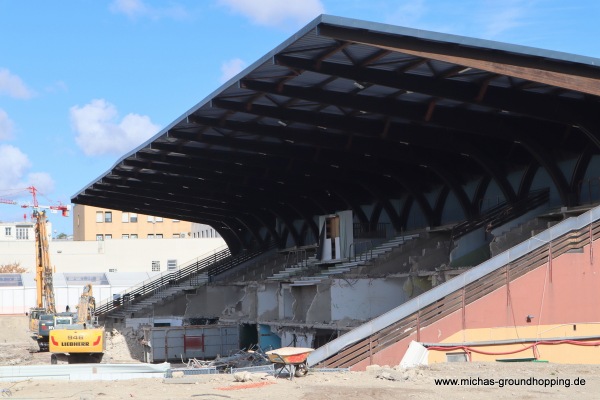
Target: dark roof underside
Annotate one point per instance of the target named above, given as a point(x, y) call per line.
point(348, 113)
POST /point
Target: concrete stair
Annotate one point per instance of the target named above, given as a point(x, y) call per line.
point(358, 261)
point(133, 307)
point(294, 270)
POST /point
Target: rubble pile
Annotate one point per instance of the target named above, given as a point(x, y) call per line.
point(241, 359)
point(123, 346)
point(396, 373)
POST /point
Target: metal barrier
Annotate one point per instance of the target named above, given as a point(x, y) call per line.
point(212, 265)
point(362, 250)
point(502, 213)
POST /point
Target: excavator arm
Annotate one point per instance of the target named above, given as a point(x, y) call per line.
point(44, 273)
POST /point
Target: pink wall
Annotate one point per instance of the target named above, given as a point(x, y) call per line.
point(571, 296)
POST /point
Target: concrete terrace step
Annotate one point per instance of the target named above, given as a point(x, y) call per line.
point(392, 243)
point(381, 251)
point(288, 272)
point(346, 266)
point(306, 283)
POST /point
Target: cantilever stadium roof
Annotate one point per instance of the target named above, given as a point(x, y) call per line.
point(347, 113)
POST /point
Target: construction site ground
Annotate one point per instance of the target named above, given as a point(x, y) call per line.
point(540, 380)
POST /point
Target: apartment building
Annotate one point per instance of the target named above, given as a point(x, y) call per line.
point(92, 223)
point(21, 231)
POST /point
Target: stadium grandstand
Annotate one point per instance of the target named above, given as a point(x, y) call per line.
point(386, 194)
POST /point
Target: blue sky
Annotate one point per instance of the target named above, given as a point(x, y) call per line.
point(84, 82)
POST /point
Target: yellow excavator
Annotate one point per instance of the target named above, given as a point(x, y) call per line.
point(43, 316)
point(79, 338)
point(43, 280)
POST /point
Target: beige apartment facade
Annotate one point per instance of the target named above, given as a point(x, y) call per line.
point(92, 223)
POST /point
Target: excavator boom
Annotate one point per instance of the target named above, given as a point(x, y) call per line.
point(43, 270)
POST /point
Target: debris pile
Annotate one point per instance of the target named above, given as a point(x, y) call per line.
point(239, 360)
point(123, 346)
point(396, 373)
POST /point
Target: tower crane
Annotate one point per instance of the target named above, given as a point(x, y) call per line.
point(45, 303)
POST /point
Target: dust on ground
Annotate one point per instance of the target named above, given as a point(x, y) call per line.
point(536, 380)
point(17, 346)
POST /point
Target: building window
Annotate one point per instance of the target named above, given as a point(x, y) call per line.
point(158, 219)
point(22, 233)
point(171, 265)
point(155, 266)
point(99, 238)
point(124, 236)
point(125, 217)
point(7, 231)
point(150, 219)
point(108, 216)
point(150, 236)
point(108, 236)
point(133, 236)
point(133, 217)
point(175, 220)
point(99, 216)
point(159, 235)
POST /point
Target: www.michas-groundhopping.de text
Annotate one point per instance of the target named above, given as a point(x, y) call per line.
point(531, 381)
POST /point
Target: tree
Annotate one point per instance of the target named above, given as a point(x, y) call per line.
point(14, 268)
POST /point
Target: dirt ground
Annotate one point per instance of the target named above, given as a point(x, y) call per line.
point(537, 379)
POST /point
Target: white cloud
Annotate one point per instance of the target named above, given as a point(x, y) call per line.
point(137, 8)
point(131, 8)
point(100, 132)
point(42, 181)
point(499, 18)
point(13, 164)
point(408, 14)
point(6, 125)
point(13, 86)
point(15, 177)
point(58, 86)
point(276, 13)
point(231, 68)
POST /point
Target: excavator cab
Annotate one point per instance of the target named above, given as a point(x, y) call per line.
point(34, 318)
